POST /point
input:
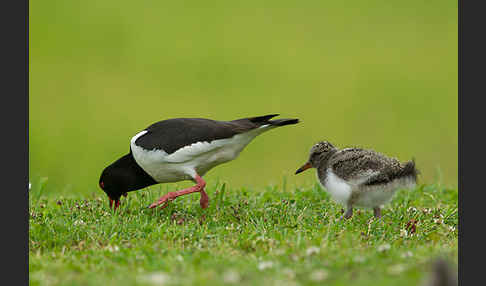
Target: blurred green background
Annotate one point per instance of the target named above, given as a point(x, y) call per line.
point(377, 74)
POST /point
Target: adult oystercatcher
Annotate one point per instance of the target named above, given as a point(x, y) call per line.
point(179, 149)
point(359, 177)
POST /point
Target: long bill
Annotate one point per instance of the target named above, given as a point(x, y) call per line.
point(303, 168)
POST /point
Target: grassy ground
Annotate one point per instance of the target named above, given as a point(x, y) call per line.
point(273, 236)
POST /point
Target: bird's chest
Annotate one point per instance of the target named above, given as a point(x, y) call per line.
point(339, 189)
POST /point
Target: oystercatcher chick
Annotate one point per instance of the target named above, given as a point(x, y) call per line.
point(359, 177)
point(180, 149)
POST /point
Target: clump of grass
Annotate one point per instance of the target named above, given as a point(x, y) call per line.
point(245, 237)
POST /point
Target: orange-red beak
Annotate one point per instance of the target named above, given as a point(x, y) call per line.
point(303, 168)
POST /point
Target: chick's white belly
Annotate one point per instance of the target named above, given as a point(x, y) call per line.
point(342, 191)
point(377, 195)
point(339, 189)
point(374, 198)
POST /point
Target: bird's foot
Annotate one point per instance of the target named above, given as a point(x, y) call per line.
point(347, 215)
point(377, 212)
point(164, 200)
point(199, 187)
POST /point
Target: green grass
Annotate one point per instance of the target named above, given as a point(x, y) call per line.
point(270, 236)
point(376, 74)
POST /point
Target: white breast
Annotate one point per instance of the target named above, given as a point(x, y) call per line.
point(339, 189)
point(197, 158)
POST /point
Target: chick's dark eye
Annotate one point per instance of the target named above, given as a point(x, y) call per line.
point(102, 185)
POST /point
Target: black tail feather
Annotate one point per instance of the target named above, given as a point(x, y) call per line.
point(410, 170)
point(262, 119)
point(285, 121)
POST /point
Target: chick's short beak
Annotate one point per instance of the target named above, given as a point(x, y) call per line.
point(303, 168)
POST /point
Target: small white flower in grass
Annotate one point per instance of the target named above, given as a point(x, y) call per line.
point(312, 250)
point(407, 254)
point(79, 222)
point(319, 275)
point(383, 247)
point(403, 233)
point(231, 277)
point(438, 221)
point(265, 265)
point(156, 278)
point(411, 209)
point(113, 248)
point(452, 228)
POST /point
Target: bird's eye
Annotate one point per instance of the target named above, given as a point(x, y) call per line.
point(102, 185)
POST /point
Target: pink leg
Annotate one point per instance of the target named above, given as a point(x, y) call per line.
point(199, 187)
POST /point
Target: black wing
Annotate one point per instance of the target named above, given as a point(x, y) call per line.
point(172, 134)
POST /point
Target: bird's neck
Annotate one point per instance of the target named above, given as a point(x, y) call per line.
point(135, 177)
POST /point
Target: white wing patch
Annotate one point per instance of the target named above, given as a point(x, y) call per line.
point(229, 147)
point(187, 153)
point(198, 157)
